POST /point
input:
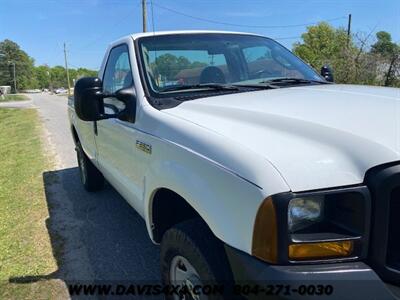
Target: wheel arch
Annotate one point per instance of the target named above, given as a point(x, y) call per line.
point(168, 208)
point(226, 203)
point(75, 136)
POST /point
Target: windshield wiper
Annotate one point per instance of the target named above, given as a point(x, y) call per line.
point(262, 85)
point(213, 86)
point(292, 80)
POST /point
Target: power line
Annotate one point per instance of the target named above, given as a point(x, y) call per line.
point(242, 25)
point(102, 35)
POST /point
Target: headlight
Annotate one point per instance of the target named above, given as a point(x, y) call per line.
point(316, 226)
point(325, 225)
point(303, 212)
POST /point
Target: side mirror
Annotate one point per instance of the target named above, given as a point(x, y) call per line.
point(88, 99)
point(128, 97)
point(89, 104)
point(327, 73)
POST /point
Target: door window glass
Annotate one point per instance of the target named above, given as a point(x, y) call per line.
point(118, 73)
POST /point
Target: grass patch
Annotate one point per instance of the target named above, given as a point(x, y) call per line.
point(14, 97)
point(25, 247)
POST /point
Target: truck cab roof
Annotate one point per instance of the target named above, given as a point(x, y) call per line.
point(158, 33)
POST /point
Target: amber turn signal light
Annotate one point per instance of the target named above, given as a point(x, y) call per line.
point(321, 250)
point(265, 236)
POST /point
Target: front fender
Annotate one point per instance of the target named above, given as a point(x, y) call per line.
point(225, 201)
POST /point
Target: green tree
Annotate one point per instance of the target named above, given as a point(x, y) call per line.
point(349, 56)
point(24, 66)
point(27, 75)
point(43, 78)
point(58, 77)
point(388, 54)
point(325, 45)
point(384, 45)
point(83, 72)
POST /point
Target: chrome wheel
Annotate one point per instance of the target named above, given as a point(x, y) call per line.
point(182, 273)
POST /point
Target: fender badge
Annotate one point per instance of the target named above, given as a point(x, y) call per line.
point(143, 146)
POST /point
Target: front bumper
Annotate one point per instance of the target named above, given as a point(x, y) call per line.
point(256, 279)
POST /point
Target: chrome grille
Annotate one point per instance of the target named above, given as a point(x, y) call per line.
point(384, 247)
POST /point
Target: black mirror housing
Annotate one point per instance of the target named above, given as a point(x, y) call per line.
point(89, 105)
point(327, 73)
point(87, 98)
point(128, 96)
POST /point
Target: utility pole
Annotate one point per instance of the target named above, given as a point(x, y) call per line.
point(144, 14)
point(66, 67)
point(348, 29)
point(15, 78)
point(50, 86)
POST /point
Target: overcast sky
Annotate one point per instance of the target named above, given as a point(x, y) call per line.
point(41, 26)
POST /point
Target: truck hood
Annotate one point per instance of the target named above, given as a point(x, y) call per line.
point(315, 136)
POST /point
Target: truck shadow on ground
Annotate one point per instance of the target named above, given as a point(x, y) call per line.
point(95, 236)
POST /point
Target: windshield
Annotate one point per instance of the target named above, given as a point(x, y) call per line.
point(173, 62)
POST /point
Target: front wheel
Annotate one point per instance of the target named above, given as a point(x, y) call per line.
point(91, 177)
point(192, 256)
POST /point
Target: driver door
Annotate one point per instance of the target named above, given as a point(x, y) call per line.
point(116, 138)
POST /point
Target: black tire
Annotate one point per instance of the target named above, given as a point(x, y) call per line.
point(194, 241)
point(91, 177)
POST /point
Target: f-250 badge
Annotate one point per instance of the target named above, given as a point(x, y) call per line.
point(143, 146)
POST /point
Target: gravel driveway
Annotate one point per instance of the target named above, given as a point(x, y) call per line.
point(102, 237)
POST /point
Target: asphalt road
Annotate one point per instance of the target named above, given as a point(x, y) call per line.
point(95, 236)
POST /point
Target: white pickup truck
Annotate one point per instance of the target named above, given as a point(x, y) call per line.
point(246, 164)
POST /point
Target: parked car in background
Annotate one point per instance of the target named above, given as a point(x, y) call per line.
point(60, 91)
